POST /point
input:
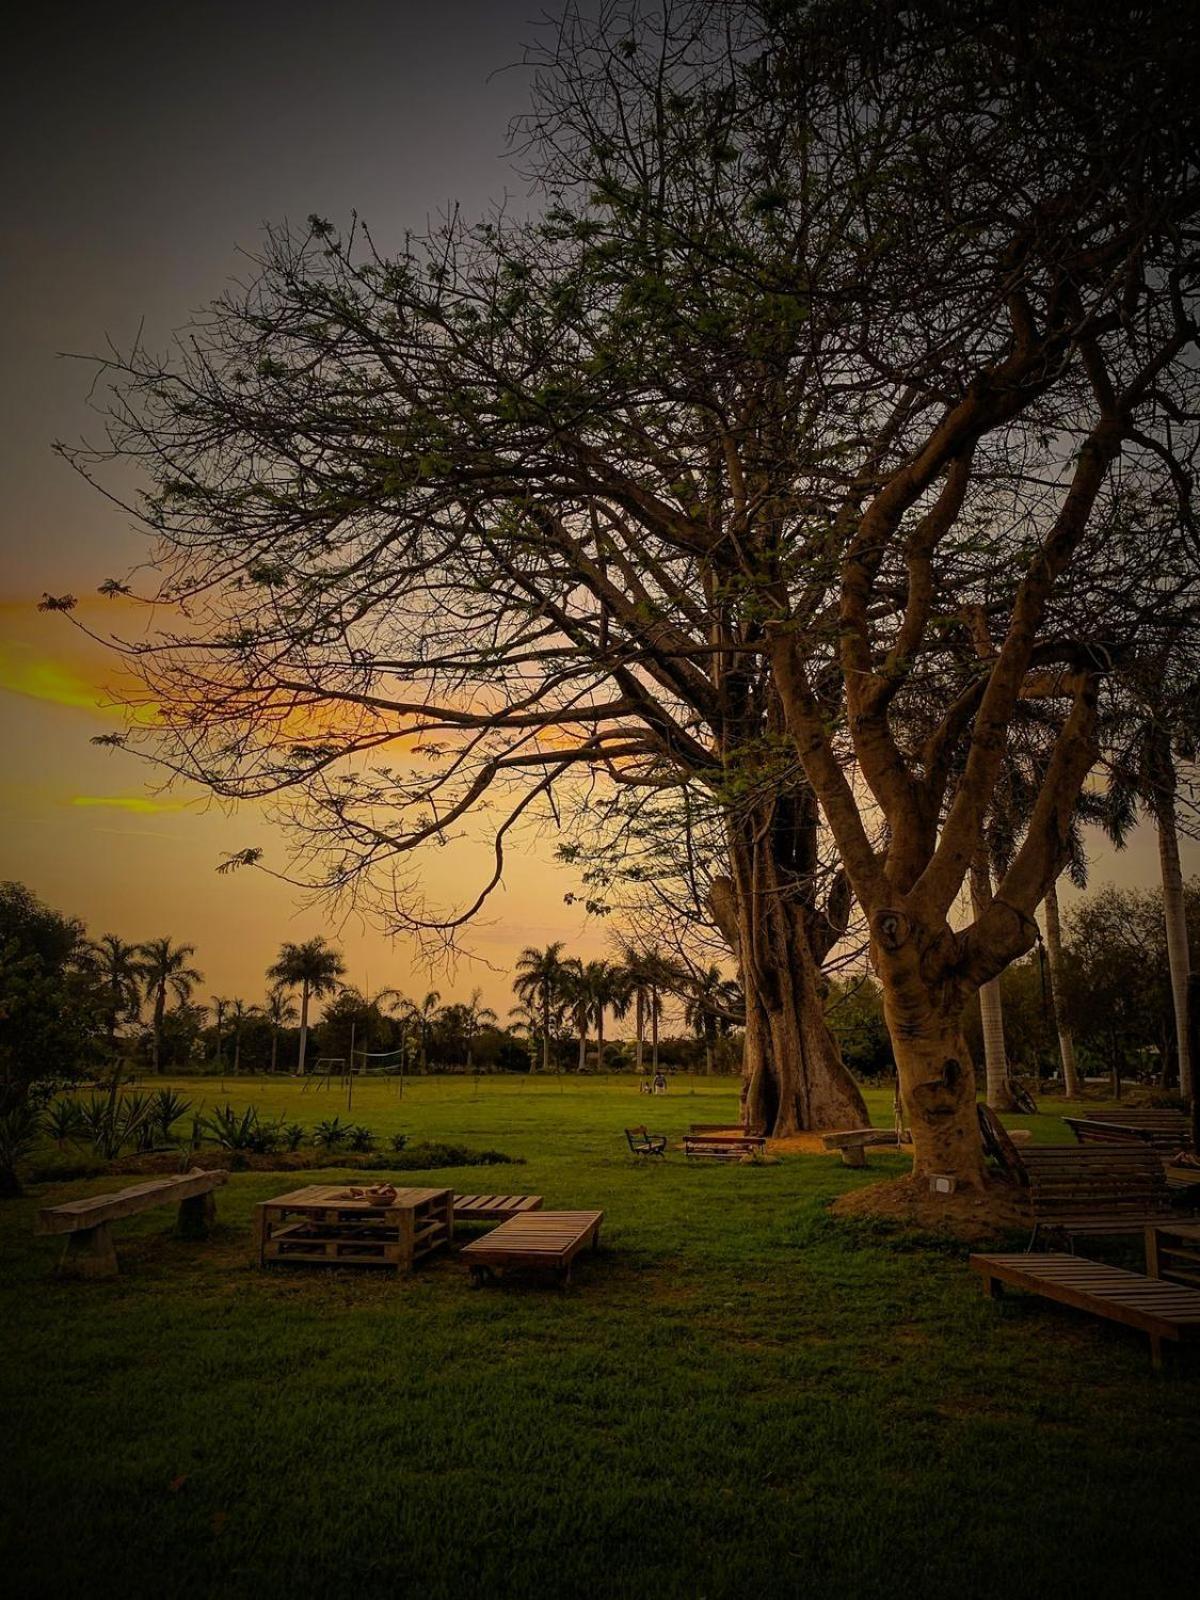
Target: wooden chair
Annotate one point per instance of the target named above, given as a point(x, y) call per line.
point(642, 1143)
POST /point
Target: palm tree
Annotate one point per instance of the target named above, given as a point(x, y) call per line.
point(279, 1011)
point(315, 968)
point(476, 1016)
point(116, 965)
point(1054, 960)
point(220, 1006)
point(422, 1016)
point(646, 972)
point(525, 1019)
point(708, 1007)
point(164, 967)
point(241, 1013)
point(610, 992)
point(541, 982)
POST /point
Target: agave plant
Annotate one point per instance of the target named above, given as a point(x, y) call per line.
point(112, 1121)
point(292, 1135)
point(168, 1108)
point(64, 1120)
point(331, 1134)
point(360, 1139)
point(19, 1127)
point(244, 1130)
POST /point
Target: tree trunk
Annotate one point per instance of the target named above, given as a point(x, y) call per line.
point(237, 1052)
point(1054, 958)
point(924, 1019)
point(303, 1028)
point(160, 1005)
point(600, 1040)
point(274, 1048)
point(583, 1049)
point(991, 1009)
point(546, 1036)
point(654, 1007)
point(793, 1077)
point(1177, 935)
point(641, 1028)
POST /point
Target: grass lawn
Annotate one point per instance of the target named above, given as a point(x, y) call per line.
point(738, 1397)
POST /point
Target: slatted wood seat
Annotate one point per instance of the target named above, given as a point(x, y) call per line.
point(493, 1207)
point(1158, 1309)
point(722, 1142)
point(543, 1241)
point(1076, 1191)
point(1161, 1128)
point(89, 1250)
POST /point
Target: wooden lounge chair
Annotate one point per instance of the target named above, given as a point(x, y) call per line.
point(643, 1143)
point(89, 1250)
point(1161, 1128)
point(1158, 1309)
point(545, 1241)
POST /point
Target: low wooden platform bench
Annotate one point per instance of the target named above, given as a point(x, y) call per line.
point(1158, 1309)
point(544, 1241)
point(493, 1207)
point(854, 1142)
point(722, 1142)
point(89, 1250)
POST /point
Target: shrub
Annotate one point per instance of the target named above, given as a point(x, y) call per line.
point(292, 1135)
point(19, 1128)
point(242, 1132)
point(112, 1121)
point(64, 1120)
point(360, 1139)
point(167, 1108)
point(399, 1140)
point(330, 1134)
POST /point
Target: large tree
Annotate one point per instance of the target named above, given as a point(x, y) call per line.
point(165, 970)
point(801, 437)
point(316, 969)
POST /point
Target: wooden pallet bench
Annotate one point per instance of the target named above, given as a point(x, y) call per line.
point(722, 1143)
point(493, 1207)
point(544, 1241)
point(854, 1143)
point(89, 1250)
point(1158, 1309)
point(322, 1225)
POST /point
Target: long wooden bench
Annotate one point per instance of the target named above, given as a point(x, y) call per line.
point(722, 1142)
point(493, 1207)
point(1161, 1128)
point(545, 1241)
point(89, 1250)
point(1076, 1191)
point(1159, 1310)
point(854, 1143)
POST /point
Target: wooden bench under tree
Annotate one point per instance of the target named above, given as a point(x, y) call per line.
point(722, 1142)
point(644, 1143)
point(1158, 1309)
point(854, 1143)
point(493, 1207)
point(544, 1241)
point(1161, 1128)
point(89, 1250)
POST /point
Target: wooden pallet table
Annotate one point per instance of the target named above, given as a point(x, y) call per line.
point(493, 1207)
point(1159, 1310)
point(1173, 1252)
point(323, 1225)
point(547, 1241)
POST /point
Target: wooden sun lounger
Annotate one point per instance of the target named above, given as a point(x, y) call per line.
point(1158, 1309)
point(546, 1241)
point(493, 1207)
point(90, 1252)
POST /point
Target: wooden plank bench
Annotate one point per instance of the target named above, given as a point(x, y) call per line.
point(546, 1241)
point(854, 1142)
point(1080, 1190)
point(722, 1142)
point(493, 1207)
point(1161, 1128)
point(89, 1251)
point(1159, 1310)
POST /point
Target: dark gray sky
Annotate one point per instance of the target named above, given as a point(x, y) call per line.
point(146, 143)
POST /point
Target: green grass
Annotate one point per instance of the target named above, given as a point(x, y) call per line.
point(737, 1397)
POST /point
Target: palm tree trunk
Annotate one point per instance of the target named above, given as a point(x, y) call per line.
point(1054, 959)
point(274, 1048)
point(991, 1011)
point(583, 1049)
point(546, 1034)
point(1177, 935)
point(237, 1052)
point(303, 1028)
point(654, 1029)
point(600, 1040)
point(641, 1027)
point(160, 1005)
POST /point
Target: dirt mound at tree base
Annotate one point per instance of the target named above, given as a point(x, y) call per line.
point(974, 1216)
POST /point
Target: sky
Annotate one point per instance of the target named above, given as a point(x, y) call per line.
point(146, 148)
